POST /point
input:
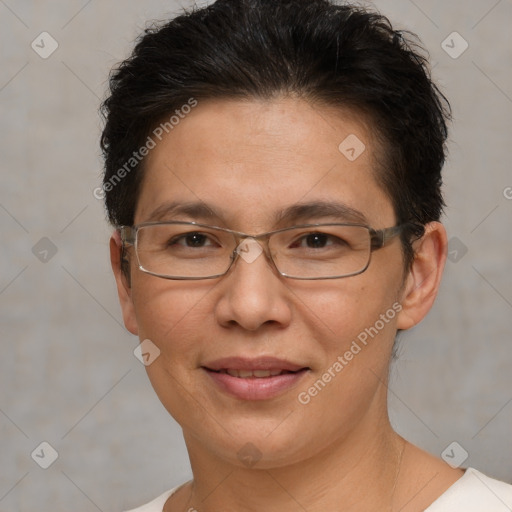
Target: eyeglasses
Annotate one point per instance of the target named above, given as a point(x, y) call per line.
point(189, 250)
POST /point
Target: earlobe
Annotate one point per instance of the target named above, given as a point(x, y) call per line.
point(124, 290)
point(424, 278)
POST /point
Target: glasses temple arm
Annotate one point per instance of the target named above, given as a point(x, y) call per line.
point(380, 237)
point(127, 235)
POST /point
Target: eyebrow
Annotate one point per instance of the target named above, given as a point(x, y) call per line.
point(316, 210)
point(301, 212)
point(197, 210)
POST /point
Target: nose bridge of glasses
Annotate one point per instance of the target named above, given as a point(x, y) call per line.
point(249, 249)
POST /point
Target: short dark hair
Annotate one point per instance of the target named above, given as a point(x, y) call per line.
point(337, 55)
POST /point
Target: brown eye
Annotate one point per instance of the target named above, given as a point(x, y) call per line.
point(193, 239)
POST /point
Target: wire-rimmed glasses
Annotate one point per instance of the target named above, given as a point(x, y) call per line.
point(191, 250)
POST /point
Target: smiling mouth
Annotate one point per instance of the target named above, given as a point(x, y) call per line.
point(256, 379)
point(255, 374)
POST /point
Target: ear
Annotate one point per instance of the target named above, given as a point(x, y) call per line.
point(424, 278)
point(124, 290)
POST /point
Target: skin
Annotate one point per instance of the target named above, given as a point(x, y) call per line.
point(247, 160)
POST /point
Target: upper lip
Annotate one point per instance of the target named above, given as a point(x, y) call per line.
point(260, 363)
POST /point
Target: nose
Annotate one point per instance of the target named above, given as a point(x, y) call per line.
point(252, 293)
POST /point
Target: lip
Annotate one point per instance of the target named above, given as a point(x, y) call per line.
point(254, 388)
point(259, 363)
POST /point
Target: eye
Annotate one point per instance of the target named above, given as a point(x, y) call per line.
point(317, 241)
point(193, 239)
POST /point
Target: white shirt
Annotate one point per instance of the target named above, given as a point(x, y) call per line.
point(473, 492)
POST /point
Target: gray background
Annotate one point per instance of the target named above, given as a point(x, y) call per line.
point(68, 375)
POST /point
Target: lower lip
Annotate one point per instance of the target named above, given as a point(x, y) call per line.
point(256, 388)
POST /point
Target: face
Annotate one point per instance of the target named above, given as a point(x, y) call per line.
point(248, 162)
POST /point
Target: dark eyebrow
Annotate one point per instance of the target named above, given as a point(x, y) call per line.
point(316, 210)
point(295, 214)
point(196, 210)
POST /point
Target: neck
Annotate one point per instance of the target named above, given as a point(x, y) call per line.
point(358, 471)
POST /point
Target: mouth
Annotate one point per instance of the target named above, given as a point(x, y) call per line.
point(254, 379)
point(254, 374)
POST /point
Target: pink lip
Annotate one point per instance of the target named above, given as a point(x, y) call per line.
point(254, 388)
point(260, 363)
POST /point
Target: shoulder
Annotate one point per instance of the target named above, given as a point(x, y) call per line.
point(157, 505)
point(475, 492)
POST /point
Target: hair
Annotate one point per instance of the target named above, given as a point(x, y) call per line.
point(341, 56)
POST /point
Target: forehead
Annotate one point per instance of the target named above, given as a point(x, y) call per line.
point(250, 160)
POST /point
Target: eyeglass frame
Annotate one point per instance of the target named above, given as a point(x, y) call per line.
point(378, 239)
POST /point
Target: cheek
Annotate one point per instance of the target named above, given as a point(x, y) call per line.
point(354, 332)
point(340, 311)
point(353, 338)
point(172, 316)
point(169, 313)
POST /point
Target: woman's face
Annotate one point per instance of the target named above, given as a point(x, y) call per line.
point(248, 161)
